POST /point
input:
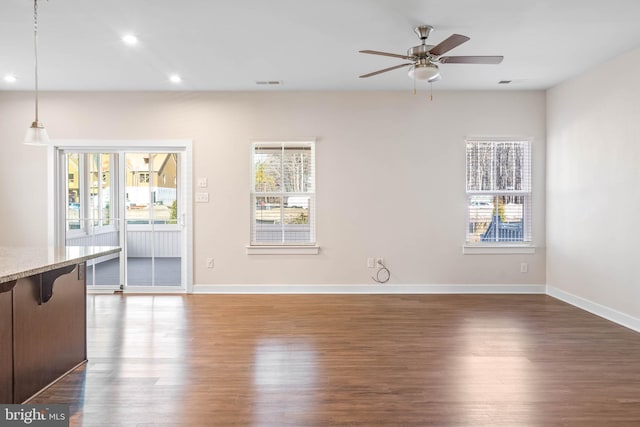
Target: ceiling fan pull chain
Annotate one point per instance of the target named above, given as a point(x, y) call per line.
point(414, 84)
point(430, 91)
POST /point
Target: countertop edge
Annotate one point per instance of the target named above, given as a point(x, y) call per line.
point(55, 265)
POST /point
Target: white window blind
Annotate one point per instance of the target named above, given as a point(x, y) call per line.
point(283, 193)
point(498, 191)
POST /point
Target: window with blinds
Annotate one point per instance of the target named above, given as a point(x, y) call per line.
point(498, 191)
point(283, 193)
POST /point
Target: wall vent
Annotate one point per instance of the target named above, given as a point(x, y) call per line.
point(269, 82)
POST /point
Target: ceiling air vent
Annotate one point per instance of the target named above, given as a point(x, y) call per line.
point(269, 82)
point(504, 82)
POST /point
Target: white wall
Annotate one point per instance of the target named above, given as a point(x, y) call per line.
point(390, 173)
point(593, 185)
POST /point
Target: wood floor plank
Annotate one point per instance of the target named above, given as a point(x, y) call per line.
point(356, 360)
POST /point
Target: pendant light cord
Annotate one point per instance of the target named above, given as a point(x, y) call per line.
point(35, 49)
point(36, 133)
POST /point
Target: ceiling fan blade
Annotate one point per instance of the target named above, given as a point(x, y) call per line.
point(393, 55)
point(385, 70)
point(445, 46)
point(471, 59)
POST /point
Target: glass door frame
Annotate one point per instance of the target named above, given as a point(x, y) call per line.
point(57, 194)
point(152, 227)
point(90, 197)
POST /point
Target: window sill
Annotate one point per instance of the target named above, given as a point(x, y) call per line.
point(498, 249)
point(283, 250)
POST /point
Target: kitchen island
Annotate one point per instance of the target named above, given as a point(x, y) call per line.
point(43, 332)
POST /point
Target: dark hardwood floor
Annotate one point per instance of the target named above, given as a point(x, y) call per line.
point(361, 360)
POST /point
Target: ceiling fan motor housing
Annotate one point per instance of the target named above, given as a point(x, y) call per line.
point(420, 51)
point(423, 31)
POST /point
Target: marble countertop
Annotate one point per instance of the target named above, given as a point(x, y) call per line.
point(19, 262)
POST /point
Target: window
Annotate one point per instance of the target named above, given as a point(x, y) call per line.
point(151, 189)
point(100, 189)
point(74, 168)
point(498, 191)
point(89, 206)
point(283, 193)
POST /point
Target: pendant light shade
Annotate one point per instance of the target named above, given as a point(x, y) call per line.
point(36, 134)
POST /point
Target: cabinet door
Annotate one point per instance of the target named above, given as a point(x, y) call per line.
point(6, 349)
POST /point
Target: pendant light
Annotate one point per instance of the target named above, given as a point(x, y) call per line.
point(36, 134)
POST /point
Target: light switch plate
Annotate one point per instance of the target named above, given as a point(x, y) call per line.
point(203, 182)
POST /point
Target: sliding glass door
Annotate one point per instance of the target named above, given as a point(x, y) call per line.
point(92, 211)
point(154, 229)
point(132, 200)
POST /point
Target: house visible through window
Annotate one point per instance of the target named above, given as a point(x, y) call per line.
point(498, 191)
point(283, 193)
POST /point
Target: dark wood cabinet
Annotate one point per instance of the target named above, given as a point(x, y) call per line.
point(6, 348)
point(47, 338)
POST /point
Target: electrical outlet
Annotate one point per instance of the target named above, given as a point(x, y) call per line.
point(524, 267)
point(202, 197)
point(379, 262)
point(370, 263)
point(209, 262)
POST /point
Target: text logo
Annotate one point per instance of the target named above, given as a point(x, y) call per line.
point(34, 415)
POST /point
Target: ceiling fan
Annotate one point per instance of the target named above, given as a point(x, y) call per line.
point(424, 57)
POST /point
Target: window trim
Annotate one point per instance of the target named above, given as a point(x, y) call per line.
point(282, 248)
point(498, 249)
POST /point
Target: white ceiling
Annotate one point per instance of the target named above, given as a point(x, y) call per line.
point(307, 44)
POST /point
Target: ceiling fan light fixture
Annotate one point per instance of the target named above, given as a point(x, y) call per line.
point(424, 72)
point(424, 57)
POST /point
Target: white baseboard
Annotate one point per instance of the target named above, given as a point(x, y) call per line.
point(615, 316)
point(145, 290)
point(368, 289)
point(93, 291)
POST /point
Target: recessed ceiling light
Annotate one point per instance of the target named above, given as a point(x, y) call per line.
point(10, 78)
point(175, 78)
point(130, 39)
